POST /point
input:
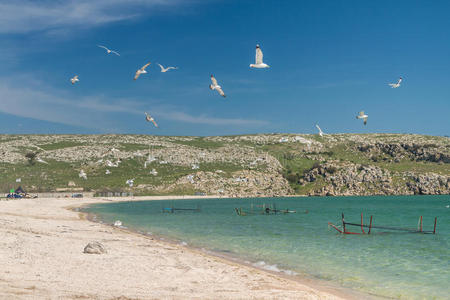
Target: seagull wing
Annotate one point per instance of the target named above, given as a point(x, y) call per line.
point(365, 120)
point(259, 55)
point(154, 123)
point(115, 52)
point(145, 66)
point(320, 130)
point(399, 80)
point(392, 84)
point(173, 68)
point(213, 80)
point(162, 68)
point(136, 76)
point(221, 92)
point(75, 77)
point(361, 113)
point(103, 47)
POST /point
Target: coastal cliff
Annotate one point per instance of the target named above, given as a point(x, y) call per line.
point(239, 166)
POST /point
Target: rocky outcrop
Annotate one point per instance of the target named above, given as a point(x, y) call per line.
point(353, 179)
point(411, 151)
point(429, 184)
point(254, 165)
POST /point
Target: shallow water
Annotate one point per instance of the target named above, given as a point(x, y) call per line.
point(398, 265)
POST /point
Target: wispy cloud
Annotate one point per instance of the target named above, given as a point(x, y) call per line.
point(95, 112)
point(22, 16)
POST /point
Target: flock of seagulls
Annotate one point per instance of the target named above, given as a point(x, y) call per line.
point(214, 86)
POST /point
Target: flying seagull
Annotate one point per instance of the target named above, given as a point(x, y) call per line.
point(164, 70)
point(149, 118)
point(82, 174)
point(320, 130)
point(141, 71)
point(259, 60)
point(215, 86)
point(74, 79)
point(362, 116)
point(130, 182)
point(396, 85)
point(109, 50)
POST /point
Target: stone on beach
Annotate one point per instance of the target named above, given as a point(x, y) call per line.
point(94, 248)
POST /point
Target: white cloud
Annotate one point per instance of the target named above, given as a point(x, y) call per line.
point(94, 112)
point(22, 16)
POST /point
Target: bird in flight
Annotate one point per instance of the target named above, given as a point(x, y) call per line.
point(259, 60)
point(130, 182)
point(164, 70)
point(396, 85)
point(215, 86)
point(141, 71)
point(149, 118)
point(109, 50)
point(320, 130)
point(74, 79)
point(363, 116)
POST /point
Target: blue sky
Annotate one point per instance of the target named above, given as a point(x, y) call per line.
point(329, 60)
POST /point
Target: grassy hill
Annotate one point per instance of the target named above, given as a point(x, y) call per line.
point(248, 165)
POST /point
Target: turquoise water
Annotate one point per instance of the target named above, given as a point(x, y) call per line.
point(398, 265)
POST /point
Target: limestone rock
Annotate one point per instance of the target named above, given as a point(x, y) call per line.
point(94, 248)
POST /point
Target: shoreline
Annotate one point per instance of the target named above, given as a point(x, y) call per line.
point(306, 279)
point(32, 227)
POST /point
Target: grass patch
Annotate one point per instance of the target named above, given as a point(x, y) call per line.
point(60, 145)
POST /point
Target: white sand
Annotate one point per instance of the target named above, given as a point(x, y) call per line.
point(41, 257)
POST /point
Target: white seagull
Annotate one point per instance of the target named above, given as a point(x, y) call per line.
point(109, 50)
point(149, 118)
point(74, 79)
point(320, 130)
point(82, 174)
point(396, 85)
point(130, 182)
point(141, 71)
point(259, 60)
point(215, 86)
point(164, 70)
point(107, 172)
point(362, 116)
point(117, 223)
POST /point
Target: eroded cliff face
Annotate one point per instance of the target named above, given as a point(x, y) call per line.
point(240, 166)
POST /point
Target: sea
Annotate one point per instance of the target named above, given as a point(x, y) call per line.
point(385, 263)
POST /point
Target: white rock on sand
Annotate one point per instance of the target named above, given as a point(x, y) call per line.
point(40, 258)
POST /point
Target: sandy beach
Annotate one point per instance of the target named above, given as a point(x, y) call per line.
point(41, 254)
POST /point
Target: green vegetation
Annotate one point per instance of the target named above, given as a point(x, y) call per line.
point(295, 158)
point(60, 145)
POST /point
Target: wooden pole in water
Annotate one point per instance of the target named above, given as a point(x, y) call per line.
point(370, 225)
point(362, 228)
point(343, 222)
point(421, 227)
point(435, 220)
